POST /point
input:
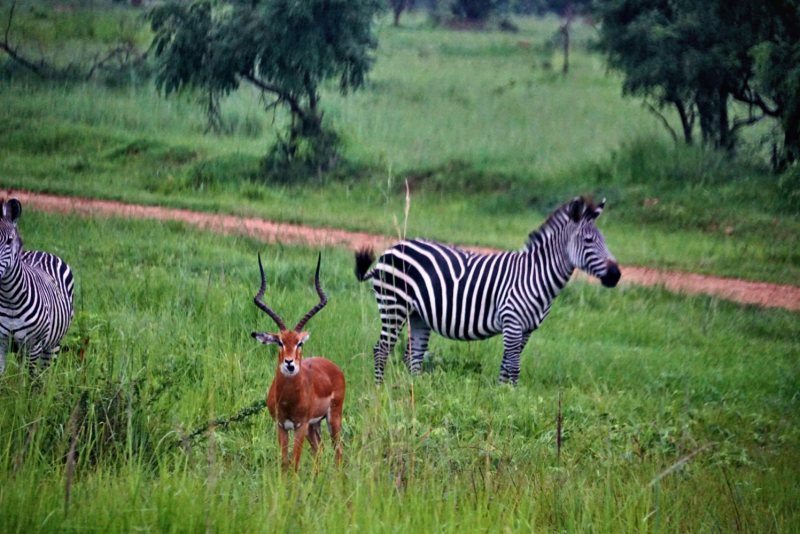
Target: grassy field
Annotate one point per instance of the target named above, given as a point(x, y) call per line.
point(488, 133)
point(679, 413)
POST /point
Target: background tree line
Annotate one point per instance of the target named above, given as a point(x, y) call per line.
point(718, 66)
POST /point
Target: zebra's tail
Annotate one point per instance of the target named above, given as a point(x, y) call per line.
point(364, 259)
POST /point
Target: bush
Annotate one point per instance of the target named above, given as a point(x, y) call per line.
point(308, 151)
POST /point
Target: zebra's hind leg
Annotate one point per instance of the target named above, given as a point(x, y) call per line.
point(514, 341)
point(391, 325)
point(419, 335)
point(3, 354)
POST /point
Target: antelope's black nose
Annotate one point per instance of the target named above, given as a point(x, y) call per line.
point(612, 276)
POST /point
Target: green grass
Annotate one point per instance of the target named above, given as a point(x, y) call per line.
point(163, 314)
point(488, 135)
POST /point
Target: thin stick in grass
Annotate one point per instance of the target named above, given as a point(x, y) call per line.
point(558, 426)
point(677, 465)
point(71, 455)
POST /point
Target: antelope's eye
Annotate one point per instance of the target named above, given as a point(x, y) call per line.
point(280, 343)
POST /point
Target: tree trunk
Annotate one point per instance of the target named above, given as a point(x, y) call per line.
point(568, 15)
point(791, 140)
point(714, 124)
point(687, 122)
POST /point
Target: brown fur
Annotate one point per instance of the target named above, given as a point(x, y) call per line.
point(317, 390)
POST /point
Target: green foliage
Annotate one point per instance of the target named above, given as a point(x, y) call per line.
point(305, 154)
point(777, 71)
point(286, 49)
point(699, 56)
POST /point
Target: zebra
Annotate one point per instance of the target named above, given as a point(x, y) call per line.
point(468, 296)
point(36, 290)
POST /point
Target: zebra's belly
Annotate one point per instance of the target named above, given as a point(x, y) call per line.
point(466, 336)
point(26, 334)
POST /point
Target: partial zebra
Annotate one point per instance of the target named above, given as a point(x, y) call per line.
point(467, 296)
point(35, 295)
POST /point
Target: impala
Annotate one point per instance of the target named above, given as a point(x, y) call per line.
point(304, 391)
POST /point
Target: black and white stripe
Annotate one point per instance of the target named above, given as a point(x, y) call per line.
point(35, 295)
point(467, 296)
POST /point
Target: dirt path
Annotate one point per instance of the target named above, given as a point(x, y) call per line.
point(743, 291)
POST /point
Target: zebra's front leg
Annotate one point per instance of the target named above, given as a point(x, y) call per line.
point(419, 335)
point(514, 340)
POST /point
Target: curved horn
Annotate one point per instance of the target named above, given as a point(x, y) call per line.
point(323, 300)
point(260, 294)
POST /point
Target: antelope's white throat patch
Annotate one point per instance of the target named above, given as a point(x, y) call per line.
point(293, 372)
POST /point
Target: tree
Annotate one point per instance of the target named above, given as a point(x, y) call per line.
point(398, 6)
point(777, 77)
point(284, 48)
point(473, 10)
point(698, 56)
point(568, 10)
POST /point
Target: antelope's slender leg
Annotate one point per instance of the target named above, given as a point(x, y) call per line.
point(299, 437)
point(335, 428)
point(283, 441)
point(313, 438)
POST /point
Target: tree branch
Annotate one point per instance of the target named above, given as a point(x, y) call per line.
point(243, 414)
point(13, 53)
point(739, 123)
point(748, 96)
point(282, 95)
point(663, 119)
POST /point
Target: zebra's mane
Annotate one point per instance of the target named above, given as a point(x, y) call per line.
point(556, 221)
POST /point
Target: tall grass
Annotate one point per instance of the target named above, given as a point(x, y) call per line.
point(679, 413)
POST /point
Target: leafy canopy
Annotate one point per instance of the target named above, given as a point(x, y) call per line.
point(699, 55)
point(285, 48)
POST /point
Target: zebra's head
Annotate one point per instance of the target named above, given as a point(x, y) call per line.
point(10, 241)
point(587, 246)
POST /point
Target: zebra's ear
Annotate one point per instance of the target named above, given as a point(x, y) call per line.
point(12, 210)
point(593, 214)
point(576, 209)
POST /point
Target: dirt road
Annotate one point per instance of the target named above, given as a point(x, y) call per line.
point(742, 291)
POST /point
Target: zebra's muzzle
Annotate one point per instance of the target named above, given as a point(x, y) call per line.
point(612, 275)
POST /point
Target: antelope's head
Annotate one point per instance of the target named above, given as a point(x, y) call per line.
point(10, 241)
point(290, 342)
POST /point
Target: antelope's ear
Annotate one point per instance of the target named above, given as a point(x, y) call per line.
point(266, 338)
point(593, 214)
point(12, 210)
point(576, 209)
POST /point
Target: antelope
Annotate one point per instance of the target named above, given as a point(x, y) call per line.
point(304, 391)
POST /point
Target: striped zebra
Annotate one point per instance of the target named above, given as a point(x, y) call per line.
point(467, 296)
point(35, 295)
